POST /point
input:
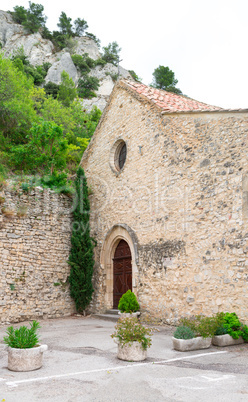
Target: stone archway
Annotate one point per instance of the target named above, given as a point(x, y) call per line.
point(114, 236)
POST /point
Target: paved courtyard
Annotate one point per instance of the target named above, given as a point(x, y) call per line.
point(81, 365)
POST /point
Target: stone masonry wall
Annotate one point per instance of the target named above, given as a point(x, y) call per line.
point(34, 247)
point(184, 193)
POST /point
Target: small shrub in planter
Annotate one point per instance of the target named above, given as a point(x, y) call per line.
point(23, 337)
point(24, 351)
point(183, 332)
point(133, 339)
point(194, 333)
point(201, 325)
point(230, 325)
point(128, 303)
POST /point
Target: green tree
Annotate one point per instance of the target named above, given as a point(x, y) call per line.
point(112, 53)
point(65, 25)
point(80, 25)
point(81, 257)
point(80, 62)
point(164, 78)
point(135, 76)
point(19, 15)
point(87, 85)
point(93, 37)
point(59, 40)
point(51, 89)
point(45, 150)
point(16, 104)
point(35, 17)
point(67, 90)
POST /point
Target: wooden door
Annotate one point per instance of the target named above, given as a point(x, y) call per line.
point(122, 262)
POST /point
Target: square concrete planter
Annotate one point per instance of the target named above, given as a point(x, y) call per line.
point(185, 345)
point(25, 359)
point(226, 340)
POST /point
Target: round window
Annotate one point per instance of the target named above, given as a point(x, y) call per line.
point(120, 155)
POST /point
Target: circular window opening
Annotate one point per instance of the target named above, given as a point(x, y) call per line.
point(120, 155)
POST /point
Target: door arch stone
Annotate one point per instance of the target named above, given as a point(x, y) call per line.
point(115, 234)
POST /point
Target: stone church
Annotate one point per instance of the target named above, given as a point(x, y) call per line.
point(169, 204)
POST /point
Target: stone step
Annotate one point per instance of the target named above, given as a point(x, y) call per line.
point(109, 317)
point(112, 311)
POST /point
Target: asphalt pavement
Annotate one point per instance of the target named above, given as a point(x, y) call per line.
point(81, 364)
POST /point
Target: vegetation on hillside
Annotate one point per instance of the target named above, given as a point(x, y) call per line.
point(43, 128)
point(40, 134)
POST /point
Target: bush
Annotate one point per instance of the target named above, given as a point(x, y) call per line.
point(100, 62)
point(128, 303)
point(183, 332)
point(80, 63)
point(229, 323)
point(52, 89)
point(201, 325)
point(129, 330)
point(55, 180)
point(87, 85)
point(22, 338)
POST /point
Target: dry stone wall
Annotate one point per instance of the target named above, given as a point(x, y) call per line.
point(34, 247)
point(184, 193)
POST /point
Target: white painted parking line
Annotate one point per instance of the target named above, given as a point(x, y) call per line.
point(109, 369)
point(220, 378)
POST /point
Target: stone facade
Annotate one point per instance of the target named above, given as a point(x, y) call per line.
point(180, 201)
point(34, 247)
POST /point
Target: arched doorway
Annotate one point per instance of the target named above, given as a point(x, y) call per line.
point(114, 236)
point(122, 271)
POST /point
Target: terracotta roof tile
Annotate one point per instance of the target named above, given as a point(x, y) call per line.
point(169, 101)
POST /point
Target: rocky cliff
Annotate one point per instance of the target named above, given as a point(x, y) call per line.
point(39, 50)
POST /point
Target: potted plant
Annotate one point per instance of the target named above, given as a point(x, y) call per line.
point(133, 339)
point(194, 333)
point(24, 351)
point(230, 330)
point(128, 305)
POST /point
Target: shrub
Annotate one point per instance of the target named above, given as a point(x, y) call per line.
point(52, 89)
point(23, 337)
point(128, 303)
point(229, 323)
point(55, 180)
point(25, 187)
point(87, 85)
point(183, 332)
point(129, 330)
point(100, 62)
point(80, 62)
point(134, 75)
point(201, 325)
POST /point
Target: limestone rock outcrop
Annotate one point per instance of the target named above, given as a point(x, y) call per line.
point(39, 50)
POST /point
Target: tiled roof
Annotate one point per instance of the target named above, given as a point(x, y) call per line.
point(169, 101)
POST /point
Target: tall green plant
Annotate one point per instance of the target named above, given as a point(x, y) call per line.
point(81, 255)
point(23, 337)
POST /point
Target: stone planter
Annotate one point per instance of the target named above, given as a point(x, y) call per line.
point(128, 315)
point(131, 352)
point(226, 340)
point(184, 345)
point(25, 359)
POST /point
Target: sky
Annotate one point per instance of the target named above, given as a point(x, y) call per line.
point(203, 41)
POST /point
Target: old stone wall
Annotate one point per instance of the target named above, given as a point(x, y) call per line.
point(183, 192)
point(35, 232)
